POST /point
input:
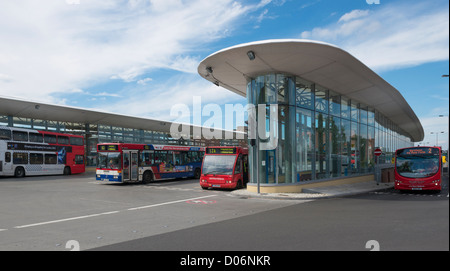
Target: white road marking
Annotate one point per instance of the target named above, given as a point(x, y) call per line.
point(107, 213)
point(63, 220)
point(170, 202)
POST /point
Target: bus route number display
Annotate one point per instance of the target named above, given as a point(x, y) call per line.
point(420, 151)
point(220, 150)
point(108, 148)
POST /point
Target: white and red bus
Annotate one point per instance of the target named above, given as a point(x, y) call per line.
point(225, 167)
point(418, 168)
point(128, 163)
point(27, 152)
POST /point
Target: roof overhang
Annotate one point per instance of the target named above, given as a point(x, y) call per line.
point(45, 111)
point(321, 63)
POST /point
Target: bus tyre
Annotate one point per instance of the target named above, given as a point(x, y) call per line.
point(239, 185)
point(67, 171)
point(20, 172)
point(148, 177)
point(197, 173)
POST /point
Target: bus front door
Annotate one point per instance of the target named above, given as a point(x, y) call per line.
point(130, 166)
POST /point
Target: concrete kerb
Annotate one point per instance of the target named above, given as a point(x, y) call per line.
point(319, 192)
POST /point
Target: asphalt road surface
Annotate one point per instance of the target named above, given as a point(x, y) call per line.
point(61, 213)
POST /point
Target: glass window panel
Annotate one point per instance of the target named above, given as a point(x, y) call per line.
point(354, 162)
point(5, 134)
point(371, 116)
point(363, 148)
point(36, 158)
point(37, 138)
point(20, 158)
point(305, 144)
point(20, 136)
point(335, 104)
point(282, 89)
point(354, 110)
point(346, 147)
point(50, 139)
point(321, 98)
point(304, 93)
point(345, 108)
point(335, 146)
point(363, 113)
point(63, 140)
point(270, 89)
point(322, 146)
point(22, 122)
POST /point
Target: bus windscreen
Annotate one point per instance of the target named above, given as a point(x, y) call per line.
point(417, 162)
point(109, 160)
point(218, 164)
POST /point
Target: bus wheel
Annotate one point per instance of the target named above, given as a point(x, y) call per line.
point(67, 171)
point(197, 173)
point(148, 177)
point(20, 172)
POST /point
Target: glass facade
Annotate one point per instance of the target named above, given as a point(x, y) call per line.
point(320, 133)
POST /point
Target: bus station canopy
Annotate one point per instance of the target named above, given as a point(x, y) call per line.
point(44, 111)
point(321, 63)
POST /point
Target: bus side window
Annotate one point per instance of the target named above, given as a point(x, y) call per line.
point(237, 169)
point(7, 157)
point(147, 158)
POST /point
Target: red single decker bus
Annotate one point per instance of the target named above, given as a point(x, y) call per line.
point(418, 168)
point(224, 167)
point(128, 163)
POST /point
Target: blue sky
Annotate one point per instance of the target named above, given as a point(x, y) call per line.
point(139, 57)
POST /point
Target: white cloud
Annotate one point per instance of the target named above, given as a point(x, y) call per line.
point(52, 47)
point(354, 14)
point(435, 125)
point(156, 101)
point(392, 36)
point(144, 81)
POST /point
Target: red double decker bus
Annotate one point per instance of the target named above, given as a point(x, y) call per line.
point(26, 152)
point(224, 167)
point(418, 168)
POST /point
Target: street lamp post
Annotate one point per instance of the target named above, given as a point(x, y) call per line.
point(448, 142)
point(437, 134)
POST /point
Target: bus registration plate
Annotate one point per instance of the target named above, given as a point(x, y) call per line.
point(216, 185)
point(416, 188)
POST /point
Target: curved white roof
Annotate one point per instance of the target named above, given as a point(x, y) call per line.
point(322, 63)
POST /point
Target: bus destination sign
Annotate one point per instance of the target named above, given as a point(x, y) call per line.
point(220, 150)
point(108, 147)
point(418, 151)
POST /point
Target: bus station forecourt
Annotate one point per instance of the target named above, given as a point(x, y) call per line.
point(325, 115)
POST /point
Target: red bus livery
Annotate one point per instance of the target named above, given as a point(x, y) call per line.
point(130, 163)
point(26, 152)
point(418, 168)
point(224, 167)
